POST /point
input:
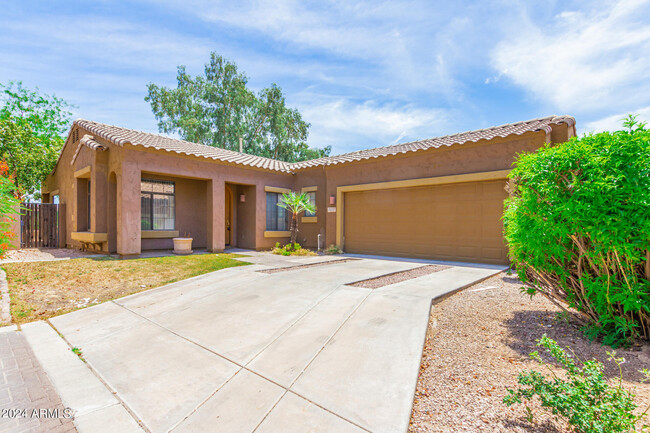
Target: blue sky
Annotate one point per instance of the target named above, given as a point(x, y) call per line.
point(363, 73)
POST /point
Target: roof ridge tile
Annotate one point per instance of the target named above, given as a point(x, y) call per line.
point(121, 136)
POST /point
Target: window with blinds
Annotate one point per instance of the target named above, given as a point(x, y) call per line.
point(276, 217)
point(312, 199)
point(158, 205)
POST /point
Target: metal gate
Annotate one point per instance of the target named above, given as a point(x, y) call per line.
point(39, 225)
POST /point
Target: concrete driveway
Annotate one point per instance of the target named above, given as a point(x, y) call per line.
point(242, 351)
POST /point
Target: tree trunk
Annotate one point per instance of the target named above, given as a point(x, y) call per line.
point(294, 229)
point(647, 265)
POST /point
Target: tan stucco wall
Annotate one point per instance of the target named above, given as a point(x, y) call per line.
point(201, 188)
point(200, 195)
point(482, 156)
point(63, 180)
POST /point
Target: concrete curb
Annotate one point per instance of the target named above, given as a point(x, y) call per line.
point(5, 316)
point(96, 409)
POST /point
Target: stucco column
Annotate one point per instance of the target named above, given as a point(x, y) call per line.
point(128, 210)
point(99, 189)
point(215, 201)
point(260, 218)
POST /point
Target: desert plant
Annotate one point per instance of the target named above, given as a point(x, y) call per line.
point(578, 228)
point(584, 399)
point(296, 204)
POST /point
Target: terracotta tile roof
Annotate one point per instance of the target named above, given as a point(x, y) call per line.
point(519, 128)
point(87, 140)
point(121, 136)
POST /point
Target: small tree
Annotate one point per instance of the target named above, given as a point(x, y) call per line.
point(32, 126)
point(296, 204)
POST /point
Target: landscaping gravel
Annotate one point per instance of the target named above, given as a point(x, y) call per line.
point(375, 283)
point(477, 343)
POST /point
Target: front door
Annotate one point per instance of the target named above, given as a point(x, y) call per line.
point(228, 216)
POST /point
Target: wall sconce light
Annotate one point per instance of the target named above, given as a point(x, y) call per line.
point(242, 198)
point(332, 200)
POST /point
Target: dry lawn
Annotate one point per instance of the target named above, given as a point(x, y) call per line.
point(477, 343)
point(39, 290)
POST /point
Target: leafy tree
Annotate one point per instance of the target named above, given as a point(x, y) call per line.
point(296, 204)
point(32, 127)
point(578, 229)
point(218, 109)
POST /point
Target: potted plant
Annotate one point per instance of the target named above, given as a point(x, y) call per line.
point(183, 245)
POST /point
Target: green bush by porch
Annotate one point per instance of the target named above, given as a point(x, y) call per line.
point(578, 228)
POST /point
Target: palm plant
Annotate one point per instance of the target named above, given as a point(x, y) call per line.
point(296, 204)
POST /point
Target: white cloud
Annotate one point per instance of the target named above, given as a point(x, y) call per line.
point(614, 122)
point(407, 45)
point(584, 61)
point(349, 126)
point(101, 43)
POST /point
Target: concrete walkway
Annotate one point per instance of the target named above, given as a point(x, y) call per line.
point(28, 401)
point(242, 351)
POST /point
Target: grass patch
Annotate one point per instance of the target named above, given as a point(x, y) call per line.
point(40, 290)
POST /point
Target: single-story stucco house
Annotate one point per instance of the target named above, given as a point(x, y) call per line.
point(441, 198)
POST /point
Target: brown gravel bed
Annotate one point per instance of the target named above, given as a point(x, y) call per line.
point(311, 265)
point(396, 277)
point(477, 343)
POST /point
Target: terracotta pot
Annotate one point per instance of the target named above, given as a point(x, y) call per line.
point(182, 245)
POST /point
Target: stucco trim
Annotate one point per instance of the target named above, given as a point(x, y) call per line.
point(277, 234)
point(408, 183)
point(158, 234)
point(277, 189)
point(89, 237)
point(311, 219)
point(83, 173)
point(309, 189)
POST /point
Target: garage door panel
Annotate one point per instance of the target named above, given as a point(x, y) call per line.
point(446, 222)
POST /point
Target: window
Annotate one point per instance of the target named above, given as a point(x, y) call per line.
point(276, 217)
point(158, 205)
point(312, 200)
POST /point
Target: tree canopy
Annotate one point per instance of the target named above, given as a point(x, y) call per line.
point(32, 127)
point(218, 109)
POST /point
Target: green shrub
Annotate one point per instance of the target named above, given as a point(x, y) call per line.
point(584, 399)
point(333, 249)
point(8, 205)
point(291, 250)
point(578, 229)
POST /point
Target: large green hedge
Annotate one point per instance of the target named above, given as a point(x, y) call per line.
point(578, 228)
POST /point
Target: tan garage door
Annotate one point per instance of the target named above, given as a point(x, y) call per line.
point(460, 221)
